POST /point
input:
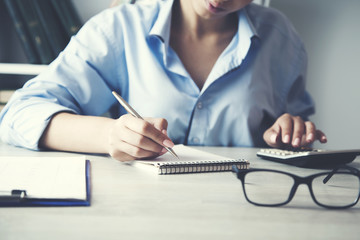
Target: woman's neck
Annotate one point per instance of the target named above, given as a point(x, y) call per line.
point(185, 20)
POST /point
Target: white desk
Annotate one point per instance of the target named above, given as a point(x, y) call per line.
point(128, 203)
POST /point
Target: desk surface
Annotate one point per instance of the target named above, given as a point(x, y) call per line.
point(129, 203)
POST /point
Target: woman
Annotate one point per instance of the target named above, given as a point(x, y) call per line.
point(218, 72)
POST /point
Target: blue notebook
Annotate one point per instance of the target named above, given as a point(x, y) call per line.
point(44, 181)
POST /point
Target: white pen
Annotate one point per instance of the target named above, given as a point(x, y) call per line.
point(132, 111)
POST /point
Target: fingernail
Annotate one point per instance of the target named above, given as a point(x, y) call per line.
point(310, 137)
point(164, 131)
point(296, 142)
point(163, 150)
point(273, 138)
point(286, 139)
point(324, 139)
point(168, 143)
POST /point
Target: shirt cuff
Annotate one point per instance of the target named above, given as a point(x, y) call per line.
point(25, 128)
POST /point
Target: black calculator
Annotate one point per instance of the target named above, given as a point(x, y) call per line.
point(308, 157)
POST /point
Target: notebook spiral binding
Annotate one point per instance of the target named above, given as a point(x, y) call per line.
point(196, 167)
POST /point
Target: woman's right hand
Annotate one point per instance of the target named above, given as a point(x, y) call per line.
point(132, 138)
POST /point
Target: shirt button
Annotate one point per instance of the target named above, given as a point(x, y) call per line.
point(196, 140)
point(200, 105)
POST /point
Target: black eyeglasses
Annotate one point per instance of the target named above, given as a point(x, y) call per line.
point(339, 188)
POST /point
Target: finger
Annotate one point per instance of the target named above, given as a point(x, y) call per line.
point(159, 123)
point(321, 136)
point(148, 130)
point(121, 156)
point(298, 131)
point(165, 132)
point(123, 134)
point(116, 152)
point(124, 151)
point(310, 132)
point(286, 125)
point(140, 141)
point(272, 136)
point(304, 143)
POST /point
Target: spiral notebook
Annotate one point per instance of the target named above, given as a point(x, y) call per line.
point(191, 161)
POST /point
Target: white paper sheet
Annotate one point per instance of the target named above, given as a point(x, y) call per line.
point(44, 177)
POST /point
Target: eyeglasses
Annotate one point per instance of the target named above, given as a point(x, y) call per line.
point(339, 188)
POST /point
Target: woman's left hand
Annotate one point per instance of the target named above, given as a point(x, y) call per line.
point(292, 131)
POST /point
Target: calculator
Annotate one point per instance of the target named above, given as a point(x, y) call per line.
point(308, 157)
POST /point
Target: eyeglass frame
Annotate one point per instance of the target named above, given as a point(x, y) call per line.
point(298, 180)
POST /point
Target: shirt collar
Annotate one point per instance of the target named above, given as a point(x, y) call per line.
point(246, 31)
point(250, 25)
point(161, 28)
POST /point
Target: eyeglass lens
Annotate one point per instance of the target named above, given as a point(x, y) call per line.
point(341, 189)
point(268, 188)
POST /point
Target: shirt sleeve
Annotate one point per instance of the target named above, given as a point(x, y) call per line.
point(298, 100)
point(80, 81)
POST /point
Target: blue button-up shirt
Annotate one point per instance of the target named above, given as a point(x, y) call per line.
point(258, 77)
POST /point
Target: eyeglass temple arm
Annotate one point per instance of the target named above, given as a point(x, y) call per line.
point(351, 169)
